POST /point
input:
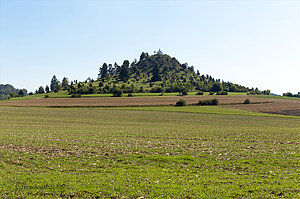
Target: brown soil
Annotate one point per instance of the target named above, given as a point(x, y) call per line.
point(278, 106)
point(275, 106)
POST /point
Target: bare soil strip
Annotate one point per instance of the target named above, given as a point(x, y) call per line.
point(275, 106)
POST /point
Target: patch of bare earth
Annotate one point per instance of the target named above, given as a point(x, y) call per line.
point(264, 105)
point(278, 106)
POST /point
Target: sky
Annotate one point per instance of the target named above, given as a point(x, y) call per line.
point(252, 43)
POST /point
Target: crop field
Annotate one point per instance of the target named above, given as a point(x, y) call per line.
point(64, 94)
point(264, 105)
point(151, 152)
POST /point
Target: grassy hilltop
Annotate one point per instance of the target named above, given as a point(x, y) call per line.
point(155, 74)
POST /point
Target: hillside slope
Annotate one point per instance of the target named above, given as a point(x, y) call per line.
point(156, 73)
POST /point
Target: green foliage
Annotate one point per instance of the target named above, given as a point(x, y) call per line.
point(76, 95)
point(222, 93)
point(7, 91)
point(117, 92)
point(200, 93)
point(41, 90)
point(65, 84)
point(217, 86)
point(124, 73)
point(47, 89)
point(155, 73)
point(165, 72)
point(181, 102)
point(21, 93)
point(247, 101)
point(289, 94)
point(156, 90)
point(211, 93)
point(184, 92)
point(46, 96)
point(210, 102)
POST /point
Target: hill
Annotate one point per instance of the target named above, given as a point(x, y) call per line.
point(7, 91)
point(158, 73)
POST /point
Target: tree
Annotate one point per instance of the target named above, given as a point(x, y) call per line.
point(47, 89)
point(155, 72)
point(124, 73)
point(41, 90)
point(143, 56)
point(55, 84)
point(104, 71)
point(21, 93)
point(65, 83)
point(117, 67)
point(111, 69)
point(216, 87)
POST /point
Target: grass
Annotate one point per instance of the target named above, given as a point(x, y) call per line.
point(201, 109)
point(60, 94)
point(175, 152)
point(64, 94)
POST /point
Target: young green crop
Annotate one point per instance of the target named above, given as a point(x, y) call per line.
point(175, 152)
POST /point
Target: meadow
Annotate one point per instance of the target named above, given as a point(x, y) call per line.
point(65, 94)
point(151, 152)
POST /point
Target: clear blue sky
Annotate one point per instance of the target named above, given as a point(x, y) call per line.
point(252, 43)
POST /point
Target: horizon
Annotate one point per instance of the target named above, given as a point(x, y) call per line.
point(251, 43)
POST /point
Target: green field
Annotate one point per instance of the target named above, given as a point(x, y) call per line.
point(64, 94)
point(152, 152)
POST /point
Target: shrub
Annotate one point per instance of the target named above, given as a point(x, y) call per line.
point(184, 92)
point(222, 93)
point(118, 92)
point(214, 101)
point(247, 101)
point(46, 96)
point(208, 102)
point(180, 103)
point(211, 93)
point(129, 95)
point(200, 93)
point(76, 95)
point(156, 90)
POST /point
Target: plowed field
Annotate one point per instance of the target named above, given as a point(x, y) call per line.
point(275, 106)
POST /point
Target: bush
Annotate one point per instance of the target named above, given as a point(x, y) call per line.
point(247, 101)
point(118, 92)
point(200, 93)
point(129, 95)
point(208, 102)
point(211, 93)
point(76, 95)
point(46, 96)
point(156, 90)
point(222, 93)
point(214, 101)
point(180, 103)
point(184, 92)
